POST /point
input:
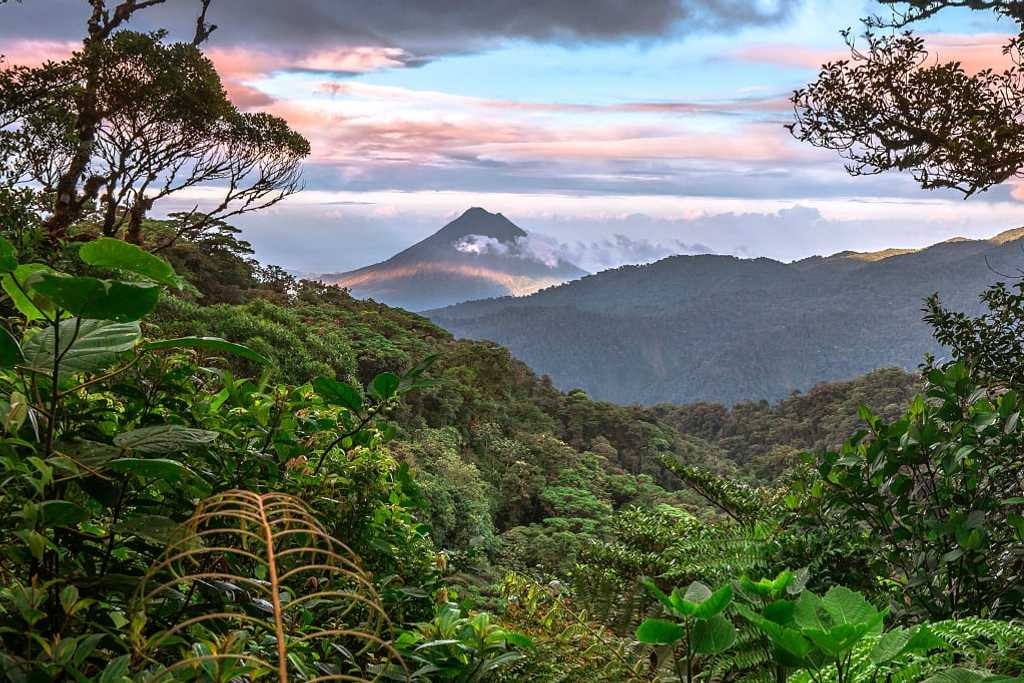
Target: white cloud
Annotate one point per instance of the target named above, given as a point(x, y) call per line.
point(481, 244)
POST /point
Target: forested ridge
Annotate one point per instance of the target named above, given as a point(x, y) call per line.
point(725, 329)
point(210, 471)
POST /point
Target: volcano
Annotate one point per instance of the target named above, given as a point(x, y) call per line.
point(479, 255)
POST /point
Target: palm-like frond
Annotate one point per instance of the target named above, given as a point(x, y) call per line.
point(263, 566)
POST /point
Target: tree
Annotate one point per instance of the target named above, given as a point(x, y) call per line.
point(889, 107)
point(130, 119)
point(990, 345)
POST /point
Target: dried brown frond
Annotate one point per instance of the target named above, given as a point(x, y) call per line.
point(254, 584)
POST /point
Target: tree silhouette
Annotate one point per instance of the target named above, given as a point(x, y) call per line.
point(130, 119)
point(890, 107)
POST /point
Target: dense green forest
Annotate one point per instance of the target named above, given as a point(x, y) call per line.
point(726, 329)
point(214, 472)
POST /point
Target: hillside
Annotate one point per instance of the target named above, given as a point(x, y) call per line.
point(490, 411)
point(479, 254)
point(724, 329)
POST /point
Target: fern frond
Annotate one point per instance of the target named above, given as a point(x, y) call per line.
point(262, 563)
point(749, 659)
point(744, 504)
point(978, 644)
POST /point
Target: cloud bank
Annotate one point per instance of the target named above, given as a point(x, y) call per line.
point(426, 28)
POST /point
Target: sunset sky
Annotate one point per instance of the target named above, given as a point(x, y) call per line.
point(621, 131)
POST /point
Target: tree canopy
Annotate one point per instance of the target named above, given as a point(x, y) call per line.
point(891, 107)
point(130, 119)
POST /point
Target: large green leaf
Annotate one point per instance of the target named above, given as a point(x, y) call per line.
point(164, 439)
point(688, 603)
point(890, 645)
point(714, 635)
point(157, 528)
point(807, 613)
point(501, 660)
point(657, 592)
point(519, 640)
point(10, 350)
point(659, 632)
point(107, 252)
point(208, 344)
point(90, 297)
point(761, 587)
point(61, 513)
point(792, 642)
point(92, 454)
point(779, 611)
point(338, 393)
point(8, 257)
point(924, 640)
point(16, 286)
point(153, 468)
point(838, 640)
point(86, 345)
point(847, 607)
point(786, 639)
point(714, 603)
point(385, 385)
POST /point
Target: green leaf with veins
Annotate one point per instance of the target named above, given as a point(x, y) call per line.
point(659, 632)
point(107, 252)
point(16, 286)
point(95, 299)
point(85, 345)
point(164, 439)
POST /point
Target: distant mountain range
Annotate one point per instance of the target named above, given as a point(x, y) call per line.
point(478, 255)
point(724, 329)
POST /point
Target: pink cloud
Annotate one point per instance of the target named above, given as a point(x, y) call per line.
point(376, 124)
point(788, 55)
point(355, 59)
point(757, 143)
point(416, 134)
point(337, 137)
point(974, 52)
point(237, 66)
point(357, 89)
point(1016, 186)
point(36, 52)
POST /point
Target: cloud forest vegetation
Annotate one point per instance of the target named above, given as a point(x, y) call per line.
point(213, 472)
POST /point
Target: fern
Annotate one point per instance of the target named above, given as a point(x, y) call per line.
point(717, 555)
point(571, 646)
point(250, 573)
point(749, 659)
point(993, 644)
point(744, 504)
point(976, 644)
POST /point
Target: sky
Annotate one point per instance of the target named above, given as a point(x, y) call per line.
point(619, 132)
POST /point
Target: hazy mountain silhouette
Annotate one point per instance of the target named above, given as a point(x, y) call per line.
point(479, 254)
point(720, 328)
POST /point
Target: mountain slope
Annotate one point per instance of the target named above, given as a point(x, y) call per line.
point(478, 255)
point(719, 328)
